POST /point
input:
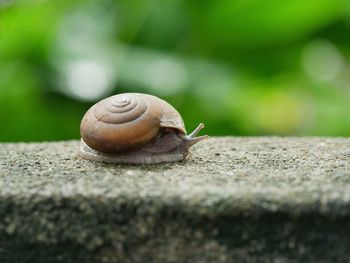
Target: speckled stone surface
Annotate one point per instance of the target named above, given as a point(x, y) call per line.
point(234, 200)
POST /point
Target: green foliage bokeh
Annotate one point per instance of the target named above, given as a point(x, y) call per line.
point(245, 67)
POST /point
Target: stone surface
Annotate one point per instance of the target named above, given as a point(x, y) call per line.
point(234, 200)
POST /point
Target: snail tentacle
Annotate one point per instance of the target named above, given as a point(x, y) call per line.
point(191, 139)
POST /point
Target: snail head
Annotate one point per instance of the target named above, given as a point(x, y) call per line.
point(192, 139)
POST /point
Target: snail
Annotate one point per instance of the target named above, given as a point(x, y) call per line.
point(135, 128)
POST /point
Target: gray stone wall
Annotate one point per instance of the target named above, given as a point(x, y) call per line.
point(234, 200)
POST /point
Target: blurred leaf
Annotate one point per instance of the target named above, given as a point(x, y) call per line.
point(246, 24)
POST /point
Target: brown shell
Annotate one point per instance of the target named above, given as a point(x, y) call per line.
point(127, 121)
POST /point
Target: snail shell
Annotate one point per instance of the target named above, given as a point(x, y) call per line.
point(134, 128)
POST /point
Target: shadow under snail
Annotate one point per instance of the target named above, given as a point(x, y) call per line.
point(135, 128)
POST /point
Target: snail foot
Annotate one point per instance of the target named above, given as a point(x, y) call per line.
point(132, 157)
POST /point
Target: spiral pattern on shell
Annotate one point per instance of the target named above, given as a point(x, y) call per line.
point(121, 122)
point(120, 109)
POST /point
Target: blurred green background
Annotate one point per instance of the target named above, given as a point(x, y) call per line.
point(243, 67)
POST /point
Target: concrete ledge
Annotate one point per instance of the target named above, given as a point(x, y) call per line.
point(234, 200)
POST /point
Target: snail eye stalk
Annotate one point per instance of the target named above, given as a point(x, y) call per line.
point(191, 139)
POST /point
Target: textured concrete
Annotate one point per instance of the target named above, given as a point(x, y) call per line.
point(233, 200)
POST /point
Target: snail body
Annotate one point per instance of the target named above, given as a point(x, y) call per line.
point(135, 128)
